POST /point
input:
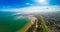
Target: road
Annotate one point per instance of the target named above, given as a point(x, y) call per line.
point(28, 25)
point(34, 26)
point(42, 21)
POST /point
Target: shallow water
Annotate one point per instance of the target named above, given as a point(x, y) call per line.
point(11, 23)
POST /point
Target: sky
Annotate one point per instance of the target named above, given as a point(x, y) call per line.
point(17, 5)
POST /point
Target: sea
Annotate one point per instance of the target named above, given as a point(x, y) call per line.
point(12, 21)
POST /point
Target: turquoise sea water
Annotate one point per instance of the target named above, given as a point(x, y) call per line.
point(12, 23)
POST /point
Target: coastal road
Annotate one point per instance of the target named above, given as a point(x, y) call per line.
point(28, 25)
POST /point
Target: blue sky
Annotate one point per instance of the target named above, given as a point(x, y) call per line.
point(15, 4)
point(21, 3)
point(55, 2)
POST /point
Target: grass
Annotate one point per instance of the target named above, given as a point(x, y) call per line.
point(42, 24)
point(52, 30)
point(44, 28)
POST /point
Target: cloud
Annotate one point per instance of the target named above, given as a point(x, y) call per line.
point(33, 9)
